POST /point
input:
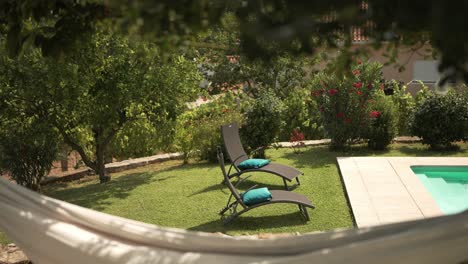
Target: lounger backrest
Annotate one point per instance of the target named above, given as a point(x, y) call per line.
point(233, 144)
point(231, 187)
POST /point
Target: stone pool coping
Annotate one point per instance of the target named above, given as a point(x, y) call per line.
point(384, 190)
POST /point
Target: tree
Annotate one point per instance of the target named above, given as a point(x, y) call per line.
point(293, 26)
point(103, 85)
point(228, 66)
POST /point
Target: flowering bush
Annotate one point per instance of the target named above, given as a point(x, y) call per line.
point(343, 101)
point(297, 140)
point(382, 122)
point(300, 112)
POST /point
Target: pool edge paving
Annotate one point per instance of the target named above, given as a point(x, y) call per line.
point(384, 190)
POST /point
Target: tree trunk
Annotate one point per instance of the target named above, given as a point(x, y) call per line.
point(100, 164)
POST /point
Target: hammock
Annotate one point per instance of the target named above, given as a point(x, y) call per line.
point(54, 232)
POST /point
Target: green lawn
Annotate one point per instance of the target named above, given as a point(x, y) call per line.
point(190, 196)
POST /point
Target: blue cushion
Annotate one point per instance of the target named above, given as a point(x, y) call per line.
point(256, 196)
point(253, 163)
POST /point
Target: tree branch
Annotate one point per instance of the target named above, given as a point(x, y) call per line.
point(76, 147)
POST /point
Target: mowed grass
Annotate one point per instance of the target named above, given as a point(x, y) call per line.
point(189, 196)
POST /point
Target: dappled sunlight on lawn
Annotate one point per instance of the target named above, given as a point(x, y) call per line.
point(190, 195)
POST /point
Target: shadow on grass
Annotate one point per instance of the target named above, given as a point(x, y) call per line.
point(95, 195)
point(320, 156)
point(251, 181)
point(217, 187)
point(425, 151)
point(251, 223)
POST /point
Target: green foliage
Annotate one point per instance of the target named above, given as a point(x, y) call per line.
point(404, 104)
point(142, 138)
point(28, 147)
point(267, 28)
point(343, 101)
point(198, 130)
point(103, 85)
point(229, 67)
point(281, 75)
point(382, 122)
point(51, 25)
point(422, 94)
point(441, 120)
point(262, 123)
point(301, 113)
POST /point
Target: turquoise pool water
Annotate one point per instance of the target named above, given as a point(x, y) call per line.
point(448, 185)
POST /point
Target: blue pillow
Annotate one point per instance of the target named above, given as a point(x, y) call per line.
point(253, 163)
point(256, 196)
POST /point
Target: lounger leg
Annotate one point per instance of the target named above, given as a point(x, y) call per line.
point(306, 214)
point(285, 185)
point(298, 182)
point(225, 209)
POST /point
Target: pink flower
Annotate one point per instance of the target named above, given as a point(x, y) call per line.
point(356, 72)
point(296, 136)
point(332, 92)
point(359, 62)
point(369, 86)
point(358, 92)
point(375, 114)
point(339, 115)
point(357, 85)
point(348, 121)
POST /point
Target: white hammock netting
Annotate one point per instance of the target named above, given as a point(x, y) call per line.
point(50, 231)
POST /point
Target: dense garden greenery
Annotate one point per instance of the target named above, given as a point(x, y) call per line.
point(113, 79)
point(96, 94)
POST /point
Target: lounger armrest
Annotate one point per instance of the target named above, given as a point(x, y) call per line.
point(233, 164)
point(257, 149)
point(241, 180)
point(251, 188)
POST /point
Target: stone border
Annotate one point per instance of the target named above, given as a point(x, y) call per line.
point(139, 162)
point(114, 167)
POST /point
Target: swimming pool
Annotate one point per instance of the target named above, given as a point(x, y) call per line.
point(448, 185)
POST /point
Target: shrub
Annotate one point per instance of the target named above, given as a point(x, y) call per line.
point(382, 123)
point(142, 138)
point(27, 149)
point(197, 131)
point(404, 105)
point(440, 120)
point(262, 123)
point(300, 112)
point(343, 101)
